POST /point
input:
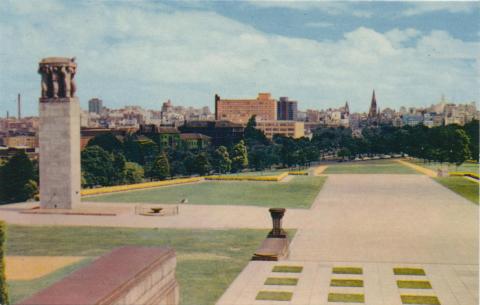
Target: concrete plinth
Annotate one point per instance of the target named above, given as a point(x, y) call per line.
point(59, 137)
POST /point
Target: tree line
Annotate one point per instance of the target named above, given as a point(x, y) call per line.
point(109, 160)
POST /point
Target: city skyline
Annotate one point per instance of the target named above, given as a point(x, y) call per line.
point(143, 53)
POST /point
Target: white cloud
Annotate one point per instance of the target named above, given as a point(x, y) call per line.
point(399, 37)
point(329, 7)
point(137, 56)
point(419, 8)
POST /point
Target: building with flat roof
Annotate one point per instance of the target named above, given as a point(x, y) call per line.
point(287, 109)
point(264, 107)
point(196, 141)
point(95, 105)
point(221, 132)
point(285, 128)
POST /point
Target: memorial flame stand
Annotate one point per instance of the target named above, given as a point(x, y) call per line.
point(275, 246)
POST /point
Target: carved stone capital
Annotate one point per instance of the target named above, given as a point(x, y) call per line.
point(57, 77)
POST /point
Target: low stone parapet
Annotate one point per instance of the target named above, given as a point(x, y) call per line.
point(126, 275)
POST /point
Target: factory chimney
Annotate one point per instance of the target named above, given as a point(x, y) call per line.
point(19, 106)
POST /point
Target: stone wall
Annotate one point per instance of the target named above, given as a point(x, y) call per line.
point(125, 276)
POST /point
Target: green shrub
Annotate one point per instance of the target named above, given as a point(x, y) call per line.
point(3, 282)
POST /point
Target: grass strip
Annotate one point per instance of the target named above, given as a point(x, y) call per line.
point(274, 295)
point(288, 281)
point(346, 283)
point(347, 270)
point(414, 284)
point(466, 188)
point(346, 297)
point(408, 271)
point(298, 192)
point(420, 299)
point(287, 269)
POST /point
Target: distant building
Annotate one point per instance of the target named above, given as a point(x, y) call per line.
point(86, 134)
point(412, 119)
point(286, 109)
point(95, 105)
point(264, 107)
point(163, 136)
point(285, 128)
point(21, 141)
point(221, 132)
point(195, 141)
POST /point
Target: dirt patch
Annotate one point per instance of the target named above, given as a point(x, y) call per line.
point(32, 267)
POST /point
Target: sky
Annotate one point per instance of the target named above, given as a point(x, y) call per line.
point(316, 52)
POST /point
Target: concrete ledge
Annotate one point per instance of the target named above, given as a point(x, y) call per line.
point(127, 275)
point(66, 212)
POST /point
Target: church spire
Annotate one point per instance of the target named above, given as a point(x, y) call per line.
point(373, 106)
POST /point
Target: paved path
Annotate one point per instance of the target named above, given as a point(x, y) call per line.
point(189, 216)
point(377, 222)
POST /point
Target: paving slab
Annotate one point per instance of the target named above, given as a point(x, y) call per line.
point(380, 222)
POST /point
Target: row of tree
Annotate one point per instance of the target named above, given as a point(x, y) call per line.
point(108, 160)
point(453, 143)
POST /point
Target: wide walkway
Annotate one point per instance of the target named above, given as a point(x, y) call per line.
point(376, 223)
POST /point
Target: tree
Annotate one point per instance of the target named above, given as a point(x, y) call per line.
point(458, 146)
point(202, 164)
point(252, 135)
point(134, 173)
point(221, 160)
point(161, 167)
point(132, 150)
point(344, 153)
point(107, 141)
point(17, 179)
point(472, 129)
point(239, 156)
point(119, 162)
point(97, 166)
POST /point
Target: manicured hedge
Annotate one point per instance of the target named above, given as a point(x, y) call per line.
point(137, 186)
point(3, 282)
point(248, 178)
point(468, 174)
point(298, 173)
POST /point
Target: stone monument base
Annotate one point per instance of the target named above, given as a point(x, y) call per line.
point(272, 249)
point(59, 137)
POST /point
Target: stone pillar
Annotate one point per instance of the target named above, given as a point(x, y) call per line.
point(59, 134)
point(277, 215)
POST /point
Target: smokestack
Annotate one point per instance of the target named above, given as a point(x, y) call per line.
point(19, 106)
point(8, 115)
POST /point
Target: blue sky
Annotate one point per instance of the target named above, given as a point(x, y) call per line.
point(319, 53)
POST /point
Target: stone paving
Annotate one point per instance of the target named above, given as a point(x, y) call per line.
point(377, 223)
point(451, 284)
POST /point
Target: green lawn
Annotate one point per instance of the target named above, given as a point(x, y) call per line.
point(297, 193)
point(465, 167)
point(369, 167)
point(208, 260)
point(462, 186)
